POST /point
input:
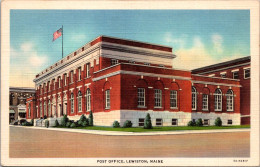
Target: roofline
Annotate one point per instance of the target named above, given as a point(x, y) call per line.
point(11, 88)
point(222, 63)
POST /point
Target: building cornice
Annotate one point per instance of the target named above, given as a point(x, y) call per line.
point(214, 83)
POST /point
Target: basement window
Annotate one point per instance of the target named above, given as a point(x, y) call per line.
point(141, 121)
point(158, 122)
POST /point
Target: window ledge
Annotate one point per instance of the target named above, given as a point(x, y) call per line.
point(173, 107)
point(71, 83)
point(218, 110)
point(141, 106)
point(158, 107)
point(107, 108)
point(205, 110)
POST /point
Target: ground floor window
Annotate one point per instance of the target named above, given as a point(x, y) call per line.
point(205, 102)
point(141, 121)
point(159, 121)
point(229, 122)
point(174, 121)
point(206, 122)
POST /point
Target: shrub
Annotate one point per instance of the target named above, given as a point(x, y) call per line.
point(199, 122)
point(64, 120)
point(82, 118)
point(68, 124)
point(25, 123)
point(32, 122)
point(73, 125)
point(127, 124)
point(90, 118)
point(45, 117)
point(218, 122)
point(84, 124)
point(47, 123)
point(191, 123)
point(56, 123)
point(148, 122)
point(116, 124)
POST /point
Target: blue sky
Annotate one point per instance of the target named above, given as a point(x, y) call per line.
point(198, 37)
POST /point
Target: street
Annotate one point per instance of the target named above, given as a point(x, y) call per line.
point(35, 143)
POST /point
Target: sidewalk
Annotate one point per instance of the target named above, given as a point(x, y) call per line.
point(118, 133)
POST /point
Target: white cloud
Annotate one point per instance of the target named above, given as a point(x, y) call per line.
point(217, 41)
point(37, 60)
point(26, 47)
point(176, 42)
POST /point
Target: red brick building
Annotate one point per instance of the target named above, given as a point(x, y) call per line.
point(121, 80)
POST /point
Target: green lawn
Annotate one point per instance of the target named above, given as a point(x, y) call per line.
point(165, 128)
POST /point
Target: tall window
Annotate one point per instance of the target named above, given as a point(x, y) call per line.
point(71, 77)
point(49, 85)
point(88, 70)
point(230, 100)
point(157, 98)
point(45, 87)
point(88, 100)
point(79, 75)
point(45, 108)
point(194, 98)
point(141, 97)
point(59, 82)
point(223, 75)
point(79, 102)
point(53, 83)
point(40, 109)
point(173, 99)
point(247, 73)
point(114, 61)
point(65, 79)
point(205, 102)
point(49, 108)
point(107, 99)
point(72, 103)
point(29, 110)
point(218, 100)
point(235, 75)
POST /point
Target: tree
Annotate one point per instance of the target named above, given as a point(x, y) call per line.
point(148, 122)
point(218, 122)
point(90, 119)
point(64, 120)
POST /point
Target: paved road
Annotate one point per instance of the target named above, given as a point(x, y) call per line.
point(35, 143)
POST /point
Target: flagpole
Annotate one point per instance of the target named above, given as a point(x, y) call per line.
point(62, 41)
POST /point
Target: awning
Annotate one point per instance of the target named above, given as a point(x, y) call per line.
point(22, 111)
point(11, 111)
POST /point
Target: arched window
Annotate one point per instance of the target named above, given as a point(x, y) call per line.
point(49, 108)
point(72, 103)
point(218, 100)
point(29, 110)
point(45, 109)
point(194, 98)
point(40, 109)
point(230, 100)
point(79, 102)
point(88, 100)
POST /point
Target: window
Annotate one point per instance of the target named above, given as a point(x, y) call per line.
point(194, 98)
point(79, 102)
point(45, 87)
point(49, 84)
point(229, 122)
point(173, 99)
point(65, 79)
point(141, 97)
point(205, 102)
point(161, 65)
point(223, 75)
point(88, 71)
point(72, 103)
point(114, 62)
point(174, 121)
point(235, 75)
point(206, 122)
point(29, 110)
point(218, 100)
point(130, 61)
point(158, 121)
point(53, 83)
point(71, 77)
point(147, 64)
point(45, 108)
point(230, 100)
point(88, 100)
point(40, 109)
point(59, 82)
point(49, 108)
point(107, 99)
point(141, 121)
point(247, 73)
point(79, 74)
point(157, 98)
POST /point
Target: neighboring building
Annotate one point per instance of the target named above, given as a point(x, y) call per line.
point(17, 102)
point(235, 69)
point(121, 80)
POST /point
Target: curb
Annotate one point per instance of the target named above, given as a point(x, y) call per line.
point(117, 133)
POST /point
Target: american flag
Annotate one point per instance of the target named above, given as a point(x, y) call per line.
point(57, 34)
